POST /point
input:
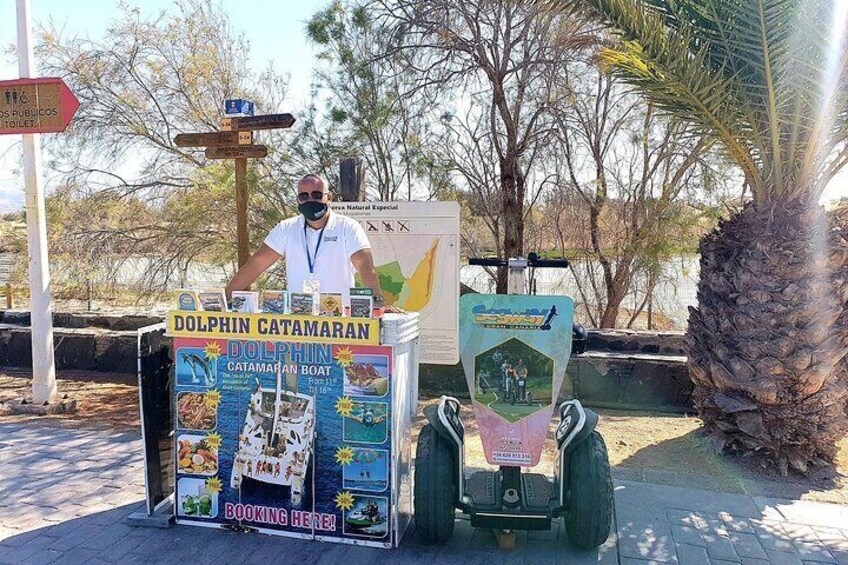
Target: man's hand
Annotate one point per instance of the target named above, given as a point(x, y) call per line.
point(363, 262)
point(250, 271)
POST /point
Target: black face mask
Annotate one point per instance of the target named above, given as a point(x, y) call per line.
point(312, 210)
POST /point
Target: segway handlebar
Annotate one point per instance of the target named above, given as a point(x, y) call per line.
point(551, 263)
point(486, 262)
point(532, 261)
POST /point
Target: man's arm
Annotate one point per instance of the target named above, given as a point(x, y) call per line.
point(363, 262)
point(255, 266)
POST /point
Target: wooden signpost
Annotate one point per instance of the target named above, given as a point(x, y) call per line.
point(240, 152)
point(235, 141)
point(214, 139)
point(252, 123)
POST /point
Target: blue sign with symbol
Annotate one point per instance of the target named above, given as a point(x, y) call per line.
point(238, 107)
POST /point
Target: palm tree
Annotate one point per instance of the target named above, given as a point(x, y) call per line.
point(768, 80)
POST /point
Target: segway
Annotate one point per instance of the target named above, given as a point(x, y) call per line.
point(509, 499)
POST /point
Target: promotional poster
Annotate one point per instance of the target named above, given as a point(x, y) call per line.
point(284, 437)
point(514, 350)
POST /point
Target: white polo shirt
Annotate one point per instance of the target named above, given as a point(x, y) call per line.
point(342, 237)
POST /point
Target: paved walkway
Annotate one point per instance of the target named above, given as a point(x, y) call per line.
point(64, 495)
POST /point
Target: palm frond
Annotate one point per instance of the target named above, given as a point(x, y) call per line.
point(768, 78)
point(660, 61)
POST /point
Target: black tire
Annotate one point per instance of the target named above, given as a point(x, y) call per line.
point(589, 500)
point(435, 486)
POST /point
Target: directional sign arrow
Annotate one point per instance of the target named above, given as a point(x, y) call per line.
point(213, 139)
point(266, 121)
point(36, 105)
point(237, 152)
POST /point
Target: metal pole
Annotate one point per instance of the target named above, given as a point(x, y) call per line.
point(242, 234)
point(43, 363)
point(515, 276)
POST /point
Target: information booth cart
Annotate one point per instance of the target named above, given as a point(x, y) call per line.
point(295, 425)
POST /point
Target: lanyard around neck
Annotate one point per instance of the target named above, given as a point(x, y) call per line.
point(312, 259)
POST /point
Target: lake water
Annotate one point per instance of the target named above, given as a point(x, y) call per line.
point(675, 292)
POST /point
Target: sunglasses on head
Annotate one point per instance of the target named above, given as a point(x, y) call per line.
point(315, 195)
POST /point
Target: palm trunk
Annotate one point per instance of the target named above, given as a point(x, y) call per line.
point(767, 339)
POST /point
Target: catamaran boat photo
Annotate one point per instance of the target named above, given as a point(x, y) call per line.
point(276, 442)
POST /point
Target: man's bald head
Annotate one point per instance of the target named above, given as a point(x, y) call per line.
point(314, 182)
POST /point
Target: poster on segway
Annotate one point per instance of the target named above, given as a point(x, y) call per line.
point(284, 437)
point(514, 351)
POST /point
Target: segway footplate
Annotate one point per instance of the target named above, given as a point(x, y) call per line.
point(483, 488)
point(539, 492)
point(539, 496)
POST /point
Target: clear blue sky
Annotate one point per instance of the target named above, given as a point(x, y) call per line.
point(275, 29)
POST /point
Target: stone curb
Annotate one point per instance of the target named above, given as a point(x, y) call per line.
point(84, 349)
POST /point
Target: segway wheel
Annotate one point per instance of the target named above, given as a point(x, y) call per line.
point(436, 486)
point(590, 496)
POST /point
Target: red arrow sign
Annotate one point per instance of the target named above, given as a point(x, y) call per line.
point(36, 105)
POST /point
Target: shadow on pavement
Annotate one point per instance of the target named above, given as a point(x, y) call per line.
point(688, 460)
point(104, 537)
point(687, 525)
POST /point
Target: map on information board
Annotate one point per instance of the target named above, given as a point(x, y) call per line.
point(416, 253)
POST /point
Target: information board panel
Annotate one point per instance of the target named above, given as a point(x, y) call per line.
point(416, 252)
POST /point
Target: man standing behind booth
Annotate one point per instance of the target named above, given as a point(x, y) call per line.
point(320, 246)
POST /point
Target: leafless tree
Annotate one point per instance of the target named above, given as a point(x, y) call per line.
point(627, 168)
point(501, 59)
point(148, 79)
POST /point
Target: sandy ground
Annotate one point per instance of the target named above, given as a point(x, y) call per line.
point(104, 400)
point(651, 447)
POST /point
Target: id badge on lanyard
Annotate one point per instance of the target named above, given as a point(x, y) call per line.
point(311, 285)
